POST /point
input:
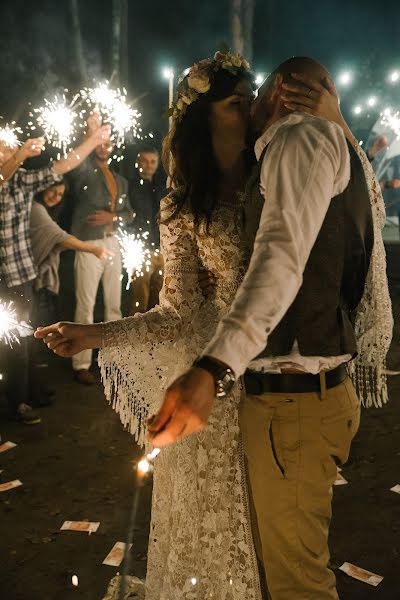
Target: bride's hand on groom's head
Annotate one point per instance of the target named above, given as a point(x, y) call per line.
point(313, 97)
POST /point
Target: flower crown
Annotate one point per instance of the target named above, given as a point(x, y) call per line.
point(197, 80)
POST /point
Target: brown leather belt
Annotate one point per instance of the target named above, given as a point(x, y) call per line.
point(289, 383)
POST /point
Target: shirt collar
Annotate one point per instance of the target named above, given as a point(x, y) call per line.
point(266, 137)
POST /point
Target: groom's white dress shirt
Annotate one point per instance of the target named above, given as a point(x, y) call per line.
point(307, 163)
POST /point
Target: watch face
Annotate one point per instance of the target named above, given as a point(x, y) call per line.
point(226, 384)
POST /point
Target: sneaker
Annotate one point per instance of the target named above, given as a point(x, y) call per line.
point(25, 414)
point(85, 376)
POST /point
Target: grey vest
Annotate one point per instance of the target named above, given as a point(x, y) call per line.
point(321, 316)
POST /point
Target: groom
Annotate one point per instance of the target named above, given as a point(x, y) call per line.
point(290, 333)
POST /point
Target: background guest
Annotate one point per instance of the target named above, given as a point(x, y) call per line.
point(48, 240)
point(17, 268)
point(101, 205)
point(146, 189)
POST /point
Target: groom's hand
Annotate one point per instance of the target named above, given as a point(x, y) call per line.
point(187, 405)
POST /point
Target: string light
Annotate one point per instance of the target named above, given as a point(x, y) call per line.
point(259, 79)
point(168, 73)
point(345, 78)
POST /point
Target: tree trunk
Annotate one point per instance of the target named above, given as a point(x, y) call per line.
point(124, 57)
point(119, 43)
point(242, 20)
point(77, 40)
point(116, 43)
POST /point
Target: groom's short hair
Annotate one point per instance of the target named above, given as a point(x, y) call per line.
point(302, 65)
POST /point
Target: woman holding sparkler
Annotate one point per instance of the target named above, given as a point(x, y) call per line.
point(48, 240)
point(201, 541)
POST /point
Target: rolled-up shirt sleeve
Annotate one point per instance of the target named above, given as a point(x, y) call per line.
point(38, 180)
point(305, 166)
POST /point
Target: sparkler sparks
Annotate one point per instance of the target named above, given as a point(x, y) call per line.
point(145, 464)
point(114, 108)
point(8, 135)
point(57, 119)
point(8, 323)
point(392, 120)
point(102, 95)
point(136, 256)
point(10, 328)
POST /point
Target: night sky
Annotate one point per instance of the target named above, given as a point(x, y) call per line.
point(37, 58)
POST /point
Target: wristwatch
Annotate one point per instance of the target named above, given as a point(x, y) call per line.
point(224, 378)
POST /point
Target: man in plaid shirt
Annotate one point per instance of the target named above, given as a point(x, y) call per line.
point(17, 269)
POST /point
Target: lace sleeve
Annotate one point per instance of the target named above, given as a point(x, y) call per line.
point(180, 296)
point(374, 319)
point(143, 353)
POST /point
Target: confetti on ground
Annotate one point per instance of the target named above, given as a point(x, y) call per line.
point(361, 574)
point(396, 489)
point(86, 526)
point(7, 446)
point(340, 480)
point(10, 485)
point(116, 555)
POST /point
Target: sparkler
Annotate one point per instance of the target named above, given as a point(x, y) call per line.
point(10, 327)
point(144, 468)
point(114, 108)
point(136, 256)
point(57, 119)
point(8, 135)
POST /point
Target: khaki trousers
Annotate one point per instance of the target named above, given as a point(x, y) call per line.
point(89, 271)
point(292, 443)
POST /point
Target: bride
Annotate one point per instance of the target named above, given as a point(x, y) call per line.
point(200, 542)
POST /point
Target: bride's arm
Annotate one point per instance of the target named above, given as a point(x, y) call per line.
point(315, 98)
point(180, 298)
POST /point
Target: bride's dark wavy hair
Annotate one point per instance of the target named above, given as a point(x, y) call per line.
point(188, 155)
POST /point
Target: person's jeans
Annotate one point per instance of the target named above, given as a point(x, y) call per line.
point(14, 360)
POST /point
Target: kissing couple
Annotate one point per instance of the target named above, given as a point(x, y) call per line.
point(261, 407)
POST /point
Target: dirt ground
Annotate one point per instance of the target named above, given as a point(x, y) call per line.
point(77, 465)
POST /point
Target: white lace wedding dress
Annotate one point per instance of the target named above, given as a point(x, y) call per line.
point(200, 539)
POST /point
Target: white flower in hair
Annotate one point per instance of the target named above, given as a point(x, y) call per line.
point(199, 78)
point(199, 82)
point(236, 61)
